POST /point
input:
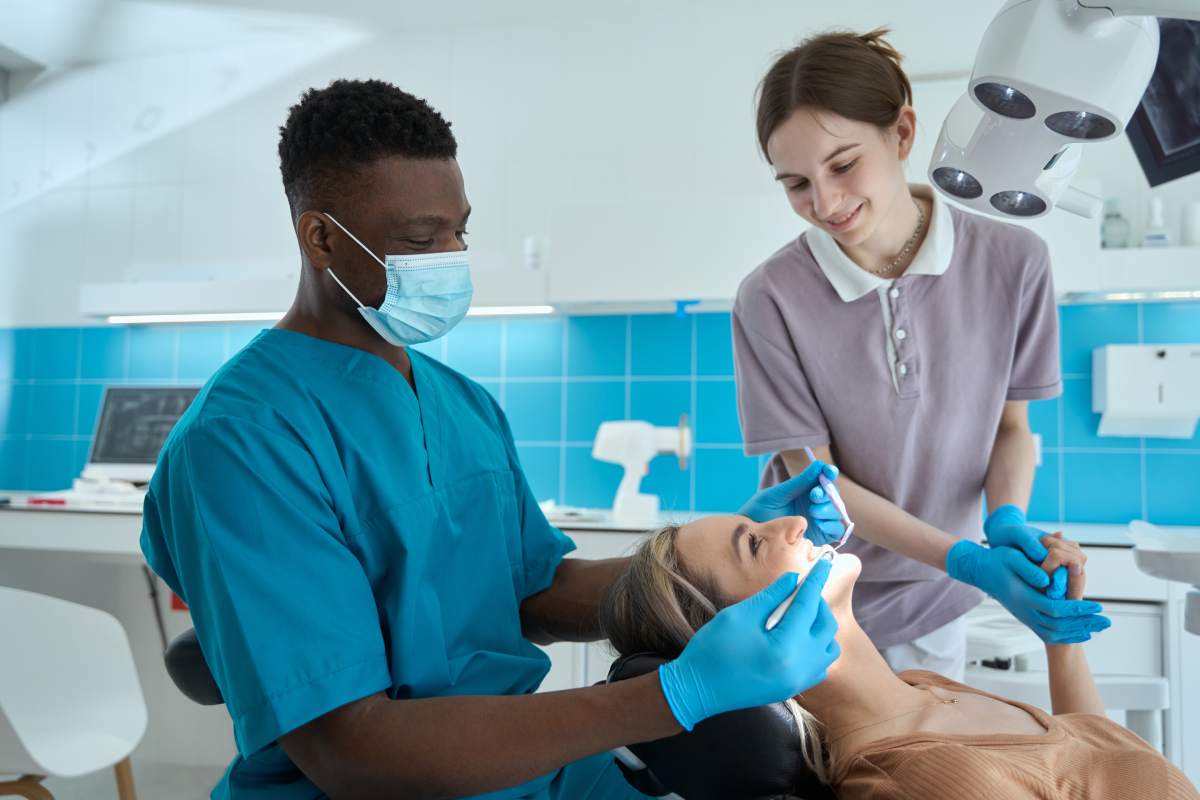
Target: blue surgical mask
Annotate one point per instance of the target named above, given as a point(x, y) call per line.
point(427, 294)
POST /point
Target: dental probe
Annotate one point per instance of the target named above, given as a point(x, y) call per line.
point(835, 497)
point(782, 608)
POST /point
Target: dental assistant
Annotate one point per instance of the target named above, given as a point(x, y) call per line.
point(366, 567)
point(902, 340)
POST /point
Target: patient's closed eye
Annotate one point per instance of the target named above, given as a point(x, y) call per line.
point(754, 544)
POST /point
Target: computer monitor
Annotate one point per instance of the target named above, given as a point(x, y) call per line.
point(1165, 129)
point(130, 430)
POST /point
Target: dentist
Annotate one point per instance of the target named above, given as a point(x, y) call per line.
point(365, 564)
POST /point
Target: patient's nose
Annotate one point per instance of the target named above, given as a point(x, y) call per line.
point(793, 528)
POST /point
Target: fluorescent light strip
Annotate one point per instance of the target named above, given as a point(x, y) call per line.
point(1169, 295)
point(272, 316)
point(508, 311)
point(1143, 296)
point(152, 319)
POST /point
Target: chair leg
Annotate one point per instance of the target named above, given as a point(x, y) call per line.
point(27, 786)
point(124, 772)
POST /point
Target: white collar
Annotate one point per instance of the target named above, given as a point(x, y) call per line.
point(851, 281)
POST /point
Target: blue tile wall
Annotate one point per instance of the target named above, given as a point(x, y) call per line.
point(52, 379)
point(558, 378)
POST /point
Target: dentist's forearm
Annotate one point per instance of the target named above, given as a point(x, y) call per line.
point(879, 520)
point(1009, 479)
point(459, 746)
point(568, 609)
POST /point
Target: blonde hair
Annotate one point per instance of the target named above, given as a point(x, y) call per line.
point(656, 606)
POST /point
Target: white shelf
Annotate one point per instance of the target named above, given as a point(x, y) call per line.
point(224, 295)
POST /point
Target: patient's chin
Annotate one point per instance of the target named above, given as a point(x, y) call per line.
point(839, 586)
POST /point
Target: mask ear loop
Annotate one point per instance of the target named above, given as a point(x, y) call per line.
point(360, 244)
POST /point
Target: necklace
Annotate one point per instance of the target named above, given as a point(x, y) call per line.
point(941, 701)
point(904, 251)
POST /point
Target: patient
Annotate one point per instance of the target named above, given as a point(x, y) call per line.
point(867, 731)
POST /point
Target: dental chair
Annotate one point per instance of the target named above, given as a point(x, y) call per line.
point(753, 754)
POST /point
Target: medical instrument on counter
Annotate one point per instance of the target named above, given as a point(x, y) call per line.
point(835, 497)
point(131, 427)
point(1049, 76)
point(633, 444)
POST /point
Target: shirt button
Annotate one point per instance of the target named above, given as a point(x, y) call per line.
point(900, 334)
point(903, 369)
point(894, 293)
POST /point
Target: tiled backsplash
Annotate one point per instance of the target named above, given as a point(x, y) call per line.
point(558, 378)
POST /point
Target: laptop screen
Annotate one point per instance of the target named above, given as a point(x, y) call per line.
point(135, 420)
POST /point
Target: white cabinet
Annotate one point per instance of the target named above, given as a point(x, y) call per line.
point(666, 245)
point(653, 243)
point(1166, 269)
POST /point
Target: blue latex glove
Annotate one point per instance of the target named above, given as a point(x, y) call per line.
point(735, 662)
point(1010, 577)
point(1006, 527)
point(800, 495)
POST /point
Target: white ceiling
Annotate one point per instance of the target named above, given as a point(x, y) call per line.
point(936, 36)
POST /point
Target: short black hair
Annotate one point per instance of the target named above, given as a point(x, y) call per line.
point(333, 131)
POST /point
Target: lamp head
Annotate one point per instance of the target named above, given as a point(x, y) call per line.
point(1050, 76)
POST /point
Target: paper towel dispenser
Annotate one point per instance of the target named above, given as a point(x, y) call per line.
point(1147, 389)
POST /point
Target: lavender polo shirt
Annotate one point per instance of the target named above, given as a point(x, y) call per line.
point(905, 380)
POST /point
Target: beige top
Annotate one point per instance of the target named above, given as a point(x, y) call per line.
point(1077, 757)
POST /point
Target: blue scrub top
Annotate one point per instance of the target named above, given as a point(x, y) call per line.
point(337, 534)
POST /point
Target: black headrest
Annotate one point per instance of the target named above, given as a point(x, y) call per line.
point(188, 669)
point(752, 754)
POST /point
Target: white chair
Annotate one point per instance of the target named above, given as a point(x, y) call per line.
point(70, 700)
point(993, 634)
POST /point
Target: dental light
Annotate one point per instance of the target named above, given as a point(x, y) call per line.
point(1049, 77)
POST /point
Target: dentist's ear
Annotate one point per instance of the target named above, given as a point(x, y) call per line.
point(313, 231)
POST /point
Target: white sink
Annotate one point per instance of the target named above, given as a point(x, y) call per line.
point(1171, 556)
point(1170, 565)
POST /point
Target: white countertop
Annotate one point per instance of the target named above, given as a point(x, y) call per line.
point(117, 533)
point(100, 534)
point(1090, 534)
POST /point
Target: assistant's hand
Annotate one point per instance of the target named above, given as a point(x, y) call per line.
point(1007, 527)
point(1010, 577)
point(735, 662)
point(800, 495)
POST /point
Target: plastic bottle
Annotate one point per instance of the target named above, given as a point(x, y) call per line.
point(1114, 232)
point(1155, 234)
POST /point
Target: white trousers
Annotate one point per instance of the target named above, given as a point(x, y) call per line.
point(943, 651)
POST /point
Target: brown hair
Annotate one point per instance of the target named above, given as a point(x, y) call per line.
point(856, 76)
point(656, 605)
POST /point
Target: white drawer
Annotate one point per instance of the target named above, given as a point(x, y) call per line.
point(1112, 573)
point(1132, 646)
